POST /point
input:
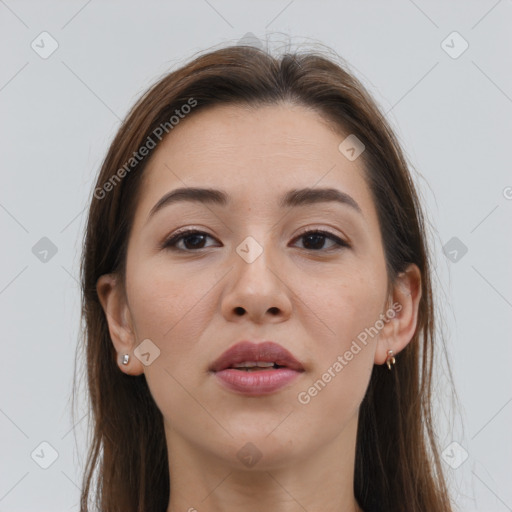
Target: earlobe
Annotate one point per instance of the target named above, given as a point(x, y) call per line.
point(400, 329)
point(113, 301)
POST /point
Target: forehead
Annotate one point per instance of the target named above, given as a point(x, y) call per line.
point(255, 133)
point(258, 153)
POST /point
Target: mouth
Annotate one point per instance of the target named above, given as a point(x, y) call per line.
point(256, 369)
point(252, 366)
point(249, 356)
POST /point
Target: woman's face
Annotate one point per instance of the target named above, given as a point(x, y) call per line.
point(252, 276)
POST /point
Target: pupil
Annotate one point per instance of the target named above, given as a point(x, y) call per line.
point(194, 245)
point(316, 238)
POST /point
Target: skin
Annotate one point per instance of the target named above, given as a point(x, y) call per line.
point(188, 305)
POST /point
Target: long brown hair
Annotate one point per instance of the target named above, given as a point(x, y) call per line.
point(397, 465)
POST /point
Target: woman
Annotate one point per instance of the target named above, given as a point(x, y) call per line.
point(257, 299)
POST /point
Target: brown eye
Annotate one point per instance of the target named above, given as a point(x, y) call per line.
point(314, 240)
point(192, 240)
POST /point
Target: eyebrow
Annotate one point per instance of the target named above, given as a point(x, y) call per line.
point(293, 198)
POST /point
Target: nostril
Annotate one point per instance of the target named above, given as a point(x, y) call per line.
point(239, 311)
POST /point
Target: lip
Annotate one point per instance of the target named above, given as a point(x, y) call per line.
point(267, 351)
point(259, 382)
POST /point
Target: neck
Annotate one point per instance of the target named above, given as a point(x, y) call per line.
point(322, 479)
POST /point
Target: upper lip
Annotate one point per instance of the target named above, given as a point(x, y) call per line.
point(246, 351)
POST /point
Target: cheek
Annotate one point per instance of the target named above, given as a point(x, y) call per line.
point(343, 355)
point(164, 302)
point(350, 309)
point(173, 311)
point(351, 303)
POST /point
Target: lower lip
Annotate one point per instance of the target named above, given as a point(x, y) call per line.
point(258, 382)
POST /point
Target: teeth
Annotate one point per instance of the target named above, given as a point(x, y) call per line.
point(250, 364)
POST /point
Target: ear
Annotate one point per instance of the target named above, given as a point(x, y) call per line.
point(402, 314)
point(113, 300)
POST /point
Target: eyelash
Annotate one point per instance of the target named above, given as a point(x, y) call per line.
point(171, 242)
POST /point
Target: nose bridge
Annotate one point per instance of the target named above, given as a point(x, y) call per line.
point(255, 288)
point(255, 255)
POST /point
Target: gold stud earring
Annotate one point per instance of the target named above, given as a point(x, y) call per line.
point(390, 359)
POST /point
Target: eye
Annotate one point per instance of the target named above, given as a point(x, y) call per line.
point(315, 239)
point(191, 238)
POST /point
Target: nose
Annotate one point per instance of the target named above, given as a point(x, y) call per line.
point(257, 290)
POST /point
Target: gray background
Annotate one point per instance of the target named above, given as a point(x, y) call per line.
point(451, 112)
